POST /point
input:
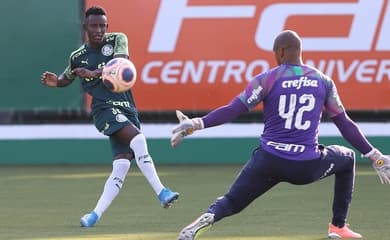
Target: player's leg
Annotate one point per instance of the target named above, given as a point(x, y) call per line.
point(112, 187)
point(340, 161)
point(109, 122)
point(138, 144)
point(252, 181)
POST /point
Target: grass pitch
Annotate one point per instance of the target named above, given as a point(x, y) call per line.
point(46, 203)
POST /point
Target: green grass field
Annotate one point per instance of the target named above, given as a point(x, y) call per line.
point(46, 202)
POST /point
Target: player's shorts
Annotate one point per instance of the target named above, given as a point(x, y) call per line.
point(110, 120)
point(264, 170)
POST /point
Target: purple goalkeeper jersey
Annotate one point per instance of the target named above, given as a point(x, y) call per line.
point(293, 98)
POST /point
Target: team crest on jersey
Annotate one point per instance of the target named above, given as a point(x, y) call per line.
point(107, 50)
point(121, 118)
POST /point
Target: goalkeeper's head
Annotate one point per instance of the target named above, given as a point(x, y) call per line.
point(288, 48)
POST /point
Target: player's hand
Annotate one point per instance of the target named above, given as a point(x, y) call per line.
point(186, 127)
point(49, 79)
point(84, 73)
point(381, 164)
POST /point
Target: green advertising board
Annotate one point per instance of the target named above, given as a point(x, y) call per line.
point(37, 36)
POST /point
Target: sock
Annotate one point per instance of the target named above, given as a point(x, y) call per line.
point(113, 185)
point(145, 162)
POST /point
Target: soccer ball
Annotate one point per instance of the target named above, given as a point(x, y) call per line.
point(119, 75)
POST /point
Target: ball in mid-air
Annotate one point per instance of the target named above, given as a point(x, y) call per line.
point(119, 75)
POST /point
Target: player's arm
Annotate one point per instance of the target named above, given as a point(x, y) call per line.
point(244, 102)
point(352, 133)
point(348, 129)
point(86, 73)
point(216, 117)
point(121, 47)
point(64, 79)
point(52, 80)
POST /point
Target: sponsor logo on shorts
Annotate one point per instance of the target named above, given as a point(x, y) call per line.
point(106, 127)
point(326, 173)
point(121, 118)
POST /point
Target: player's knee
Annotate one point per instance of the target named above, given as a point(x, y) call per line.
point(139, 141)
point(128, 156)
point(349, 158)
point(347, 153)
point(122, 164)
point(350, 155)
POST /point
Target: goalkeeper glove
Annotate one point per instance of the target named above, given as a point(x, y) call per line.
point(381, 164)
point(186, 127)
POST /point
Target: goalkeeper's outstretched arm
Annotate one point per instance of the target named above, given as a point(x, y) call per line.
point(225, 113)
point(351, 132)
point(216, 117)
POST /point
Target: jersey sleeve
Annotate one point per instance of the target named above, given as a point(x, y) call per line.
point(68, 70)
point(254, 93)
point(121, 45)
point(333, 104)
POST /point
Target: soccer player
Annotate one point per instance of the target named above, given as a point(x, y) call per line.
point(114, 114)
point(293, 96)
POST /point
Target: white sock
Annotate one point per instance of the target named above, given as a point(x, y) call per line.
point(145, 162)
point(113, 185)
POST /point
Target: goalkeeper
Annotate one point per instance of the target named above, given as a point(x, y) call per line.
point(293, 96)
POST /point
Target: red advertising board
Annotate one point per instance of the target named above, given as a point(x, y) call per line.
point(199, 54)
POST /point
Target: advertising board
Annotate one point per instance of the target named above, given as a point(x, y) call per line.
point(199, 54)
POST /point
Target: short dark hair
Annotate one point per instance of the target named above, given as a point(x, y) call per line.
point(95, 10)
